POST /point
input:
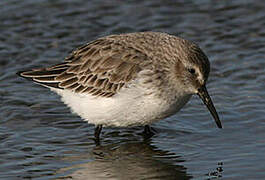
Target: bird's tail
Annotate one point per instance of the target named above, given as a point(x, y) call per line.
point(45, 76)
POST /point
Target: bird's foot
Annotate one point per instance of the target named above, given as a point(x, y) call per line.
point(148, 131)
point(97, 134)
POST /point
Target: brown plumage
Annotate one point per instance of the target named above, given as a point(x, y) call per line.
point(104, 66)
point(100, 68)
point(156, 70)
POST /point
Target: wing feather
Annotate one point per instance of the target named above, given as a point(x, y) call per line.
point(100, 68)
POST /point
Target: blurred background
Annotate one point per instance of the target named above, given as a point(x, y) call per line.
point(41, 139)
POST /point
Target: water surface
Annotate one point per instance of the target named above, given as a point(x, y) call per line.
point(41, 139)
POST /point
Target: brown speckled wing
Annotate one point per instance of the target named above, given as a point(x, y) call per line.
point(100, 68)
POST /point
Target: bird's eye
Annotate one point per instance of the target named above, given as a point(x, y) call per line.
point(191, 70)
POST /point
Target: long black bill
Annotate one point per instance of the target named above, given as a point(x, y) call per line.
point(203, 94)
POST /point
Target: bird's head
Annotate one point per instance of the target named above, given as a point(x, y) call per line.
point(192, 69)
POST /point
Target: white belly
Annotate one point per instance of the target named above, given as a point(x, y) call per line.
point(130, 107)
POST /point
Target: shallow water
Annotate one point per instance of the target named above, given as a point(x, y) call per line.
point(41, 139)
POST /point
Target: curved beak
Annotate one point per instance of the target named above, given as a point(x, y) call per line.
point(203, 94)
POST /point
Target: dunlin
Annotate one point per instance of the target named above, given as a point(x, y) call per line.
point(129, 79)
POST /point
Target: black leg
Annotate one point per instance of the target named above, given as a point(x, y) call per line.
point(148, 131)
point(97, 132)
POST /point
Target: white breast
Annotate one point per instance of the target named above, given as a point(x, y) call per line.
point(130, 107)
